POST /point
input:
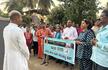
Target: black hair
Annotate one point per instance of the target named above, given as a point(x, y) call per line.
point(105, 12)
point(96, 21)
point(90, 24)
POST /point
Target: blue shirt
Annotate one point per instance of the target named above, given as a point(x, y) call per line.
point(58, 35)
point(100, 51)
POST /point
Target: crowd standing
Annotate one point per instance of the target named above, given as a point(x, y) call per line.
point(91, 40)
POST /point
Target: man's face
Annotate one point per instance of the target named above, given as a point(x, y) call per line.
point(104, 18)
point(69, 23)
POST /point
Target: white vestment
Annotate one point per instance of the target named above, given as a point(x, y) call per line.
point(16, 51)
point(70, 32)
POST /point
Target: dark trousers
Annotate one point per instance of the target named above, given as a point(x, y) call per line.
point(45, 58)
point(29, 47)
point(98, 67)
point(85, 64)
point(35, 47)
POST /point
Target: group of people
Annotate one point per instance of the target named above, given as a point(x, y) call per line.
point(91, 42)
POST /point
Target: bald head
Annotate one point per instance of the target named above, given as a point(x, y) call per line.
point(13, 14)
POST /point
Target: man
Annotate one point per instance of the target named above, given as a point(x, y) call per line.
point(16, 50)
point(100, 49)
point(35, 42)
point(69, 32)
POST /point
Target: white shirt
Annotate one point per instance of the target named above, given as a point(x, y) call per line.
point(16, 50)
point(34, 36)
point(23, 29)
point(70, 32)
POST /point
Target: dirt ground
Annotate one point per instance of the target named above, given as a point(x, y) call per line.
point(35, 64)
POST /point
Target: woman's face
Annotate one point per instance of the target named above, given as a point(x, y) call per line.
point(57, 29)
point(83, 25)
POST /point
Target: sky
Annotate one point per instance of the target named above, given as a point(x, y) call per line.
point(103, 3)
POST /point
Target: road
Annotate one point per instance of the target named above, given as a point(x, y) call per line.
point(35, 64)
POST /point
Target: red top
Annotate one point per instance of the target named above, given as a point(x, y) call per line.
point(28, 37)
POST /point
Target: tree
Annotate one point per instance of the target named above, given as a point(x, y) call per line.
point(80, 9)
point(56, 16)
point(45, 4)
point(107, 5)
point(31, 4)
point(2, 14)
point(19, 4)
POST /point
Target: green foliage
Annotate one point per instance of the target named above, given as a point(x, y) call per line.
point(27, 19)
point(30, 4)
point(3, 14)
point(80, 9)
point(107, 5)
point(45, 4)
point(12, 5)
point(56, 16)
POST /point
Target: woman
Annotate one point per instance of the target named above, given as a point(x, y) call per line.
point(84, 48)
point(52, 29)
point(39, 35)
point(58, 36)
point(58, 33)
point(79, 30)
point(96, 26)
point(29, 38)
